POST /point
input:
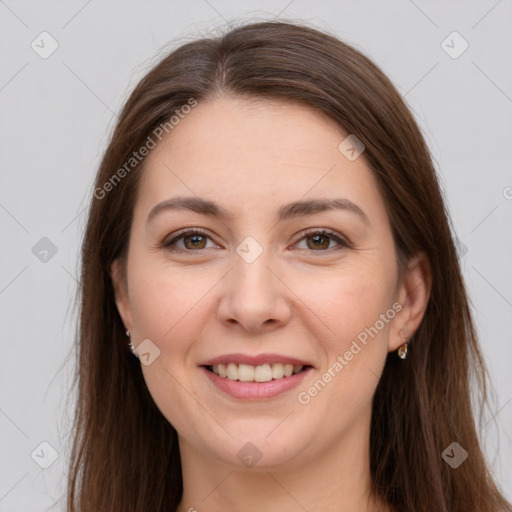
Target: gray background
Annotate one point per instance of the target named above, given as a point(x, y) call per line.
point(55, 114)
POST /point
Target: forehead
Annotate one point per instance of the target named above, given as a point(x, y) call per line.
point(254, 154)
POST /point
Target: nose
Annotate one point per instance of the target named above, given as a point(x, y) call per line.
point(254, 298)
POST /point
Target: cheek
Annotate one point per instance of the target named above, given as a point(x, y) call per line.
point(350, 299)
point(356, 306)
point(168, 307)
point(354, 351)
point(166, 300)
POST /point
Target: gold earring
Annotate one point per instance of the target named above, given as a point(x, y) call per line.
point(402, 350)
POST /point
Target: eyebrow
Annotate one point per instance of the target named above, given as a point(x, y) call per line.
point(292, 210)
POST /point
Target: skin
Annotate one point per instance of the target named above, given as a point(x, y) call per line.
point(251, 157)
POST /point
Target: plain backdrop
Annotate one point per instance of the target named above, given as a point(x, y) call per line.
point(56, 113)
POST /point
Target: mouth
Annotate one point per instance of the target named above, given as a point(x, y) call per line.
point(255, 377)
point(260, 373)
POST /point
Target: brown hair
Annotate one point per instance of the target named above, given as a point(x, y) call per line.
point(125, 454)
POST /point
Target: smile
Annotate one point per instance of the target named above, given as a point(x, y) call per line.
point(251, 373)
point(252, 389)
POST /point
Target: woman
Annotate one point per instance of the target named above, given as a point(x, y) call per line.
point(268, 237)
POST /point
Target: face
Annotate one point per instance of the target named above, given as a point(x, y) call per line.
point(258, 288)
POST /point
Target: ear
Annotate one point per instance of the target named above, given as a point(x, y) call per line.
point(413, 294)
point(121, 294)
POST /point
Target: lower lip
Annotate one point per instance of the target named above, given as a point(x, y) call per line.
point(255, 390)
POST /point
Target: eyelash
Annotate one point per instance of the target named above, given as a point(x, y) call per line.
point(304, 234)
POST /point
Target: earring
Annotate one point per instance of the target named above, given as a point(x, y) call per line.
point(130, 344)
point(402, 350)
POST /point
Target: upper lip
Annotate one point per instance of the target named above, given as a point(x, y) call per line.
point(254, 360)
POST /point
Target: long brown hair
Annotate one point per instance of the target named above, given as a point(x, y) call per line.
point(125, 454)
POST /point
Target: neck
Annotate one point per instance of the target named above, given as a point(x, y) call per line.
point(336, 479)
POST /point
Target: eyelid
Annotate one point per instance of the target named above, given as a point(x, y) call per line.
point(340, 239)
point(178, 235)
point(334, 235)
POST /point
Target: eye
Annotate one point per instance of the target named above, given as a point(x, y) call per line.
point(193, 239)
point(320, 240)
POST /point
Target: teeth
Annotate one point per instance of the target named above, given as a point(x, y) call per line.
point(245, 372)
point(288, 369)
point(263, 373)
point(277, 371)
point(232, 371)
point(250, 373)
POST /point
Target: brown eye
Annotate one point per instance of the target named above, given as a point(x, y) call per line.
point(190, 240)
point(318, 242)
point(194, 241)
point(322, 241)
